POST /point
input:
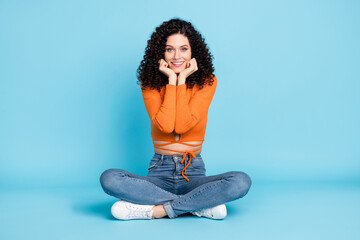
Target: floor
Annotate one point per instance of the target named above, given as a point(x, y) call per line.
point(269, 211)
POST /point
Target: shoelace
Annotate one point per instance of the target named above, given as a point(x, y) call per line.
point(184, 159)
point(202, 212)
point(138, 211)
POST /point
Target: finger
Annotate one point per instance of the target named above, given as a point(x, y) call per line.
point(190, 64)
point(194, 62)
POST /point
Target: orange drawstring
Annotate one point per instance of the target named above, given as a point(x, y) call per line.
point(190, 153)
point(183, 172)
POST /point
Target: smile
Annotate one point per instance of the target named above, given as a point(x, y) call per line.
point(177, 64)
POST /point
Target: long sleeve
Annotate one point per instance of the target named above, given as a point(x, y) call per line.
point(161, 113)
point(189, 113)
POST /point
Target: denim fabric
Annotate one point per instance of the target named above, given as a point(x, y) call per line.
point(165, 185)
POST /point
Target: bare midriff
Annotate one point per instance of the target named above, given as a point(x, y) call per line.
point(176, 147)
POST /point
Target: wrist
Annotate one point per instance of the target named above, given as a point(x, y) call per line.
point(181, 80)
point(172, 80)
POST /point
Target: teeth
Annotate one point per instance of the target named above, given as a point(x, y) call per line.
point(177, 63)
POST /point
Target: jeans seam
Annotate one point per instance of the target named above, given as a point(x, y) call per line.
point(146, 182)
point(198, 192)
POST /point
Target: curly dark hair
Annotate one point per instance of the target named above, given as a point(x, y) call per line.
point(148, 73)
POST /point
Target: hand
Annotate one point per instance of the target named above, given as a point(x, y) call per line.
point(164, 68)
point(190, 68)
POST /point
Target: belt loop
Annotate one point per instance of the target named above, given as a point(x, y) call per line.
point(161, 159)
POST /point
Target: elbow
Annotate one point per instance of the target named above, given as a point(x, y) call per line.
point(182, 126)
point(180, 132)
point(165, 126)
point(181, 129)
point(167, 129)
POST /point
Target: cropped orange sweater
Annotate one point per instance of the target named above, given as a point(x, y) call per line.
point(176, 109)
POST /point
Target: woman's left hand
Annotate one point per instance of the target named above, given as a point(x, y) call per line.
point(190, 68)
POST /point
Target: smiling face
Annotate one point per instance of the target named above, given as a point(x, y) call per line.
point(177, 52)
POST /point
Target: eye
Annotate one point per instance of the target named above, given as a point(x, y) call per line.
point(184, 49)
point(169, 49)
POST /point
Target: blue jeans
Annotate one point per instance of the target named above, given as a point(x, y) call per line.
point(164, 185)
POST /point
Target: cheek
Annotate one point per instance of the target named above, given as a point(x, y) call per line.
point(187, 57)
point(167, 57)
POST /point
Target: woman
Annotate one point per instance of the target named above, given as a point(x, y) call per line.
point(177, 84)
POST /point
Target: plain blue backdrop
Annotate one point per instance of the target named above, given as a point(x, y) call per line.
point(286, 108)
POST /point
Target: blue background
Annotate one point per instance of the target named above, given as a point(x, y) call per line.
point(286, 110)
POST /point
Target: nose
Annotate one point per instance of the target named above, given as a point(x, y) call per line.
point(177, 54)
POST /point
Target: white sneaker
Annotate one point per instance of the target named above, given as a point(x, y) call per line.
point(126, 210)
point(217, 212)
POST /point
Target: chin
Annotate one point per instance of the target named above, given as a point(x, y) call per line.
point(177, 70)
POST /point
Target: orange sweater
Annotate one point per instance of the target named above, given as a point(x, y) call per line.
point(176, 109)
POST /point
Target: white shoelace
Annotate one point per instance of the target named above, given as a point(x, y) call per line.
point(204, 212)
point(139, 211)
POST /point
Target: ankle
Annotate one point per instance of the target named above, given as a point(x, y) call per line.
point(159, 211)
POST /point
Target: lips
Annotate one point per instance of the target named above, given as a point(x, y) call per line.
point(177, 64)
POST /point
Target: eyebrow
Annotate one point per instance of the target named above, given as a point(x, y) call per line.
point(180, 46)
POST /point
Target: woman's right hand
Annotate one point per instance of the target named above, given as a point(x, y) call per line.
point(164, 68)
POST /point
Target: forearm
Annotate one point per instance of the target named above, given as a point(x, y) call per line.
point(180, 80)
point(173, 80)
point(165, 118)
point(161, 110)
point(189, 111)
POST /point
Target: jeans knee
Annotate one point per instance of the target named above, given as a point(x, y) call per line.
point(241, 184)
point(108, 178)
